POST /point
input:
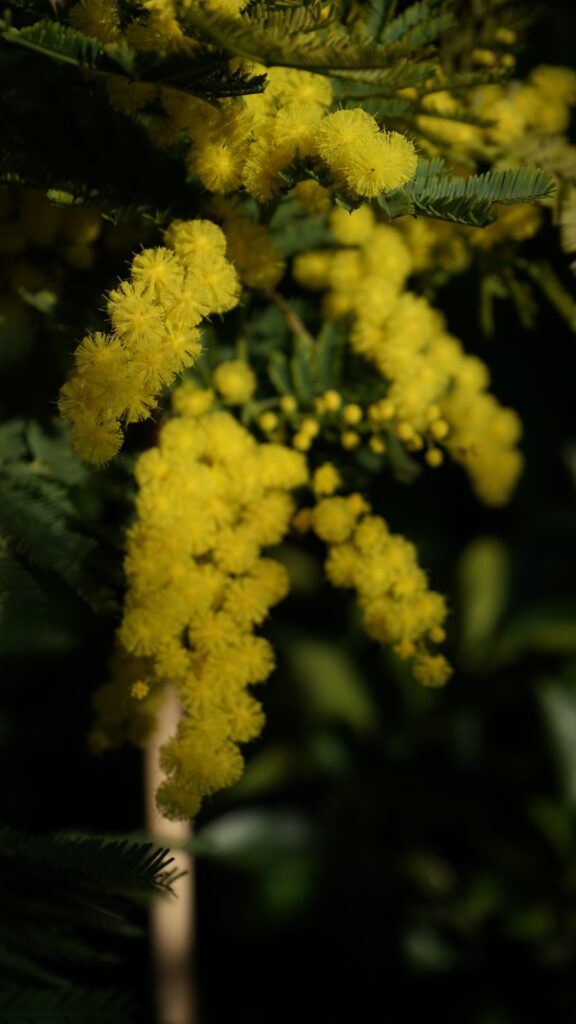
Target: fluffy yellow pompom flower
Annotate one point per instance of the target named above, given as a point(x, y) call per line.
point(362, 159)
point(195, 239)
point(334, 519)
point(326, 480)
point(432, 670)
point(235, 381)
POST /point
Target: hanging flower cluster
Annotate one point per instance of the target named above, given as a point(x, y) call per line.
point(211, 498)
point(398, 609)
point(437, 395)
point(154, 317)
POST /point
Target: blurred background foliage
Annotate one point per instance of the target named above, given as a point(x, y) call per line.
point(388, 846)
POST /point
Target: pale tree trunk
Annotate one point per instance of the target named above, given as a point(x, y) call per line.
point(172, 919)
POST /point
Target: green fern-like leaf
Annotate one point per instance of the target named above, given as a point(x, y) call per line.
point(507, 187)
point(71, 1006)
point(467, 210)
point(111, 866)
point(469, 201)
point(329, 50)
point(58, 892)
point(414, 17)
point(67, 45)
point(381, 12)
point(39, 522)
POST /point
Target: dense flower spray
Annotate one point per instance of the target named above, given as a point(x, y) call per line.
point(335, 364)
point(211, 499)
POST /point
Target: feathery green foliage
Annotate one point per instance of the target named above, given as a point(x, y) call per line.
point(469, 200)
point(59, 895)
point(68, 1006)
point(63, 43)
point(41, 527)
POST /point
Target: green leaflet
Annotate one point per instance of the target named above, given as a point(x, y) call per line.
point(63, 43)
point(70, 1006)
point(111, 866)
point(414, 17)
point(466, 200)
point(56, 892)
point(522, 185)
point(40, 524)
point(278, 42)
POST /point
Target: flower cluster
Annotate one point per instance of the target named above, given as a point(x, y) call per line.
point(397, 607)
point(248, 142)
point(210, 499)
point(436, 394)
point(505, 114)
point(275, 402)
point(154, 317)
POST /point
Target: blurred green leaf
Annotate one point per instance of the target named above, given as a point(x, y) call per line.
point(332, 685)
point(558, 703)
point(546, 628)
point(267, 770)
point(483, 582)
point(426, 950)
point(555, 823)
point(252, 837)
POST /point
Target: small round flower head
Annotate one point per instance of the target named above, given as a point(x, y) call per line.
point(334, 519)
point(386, 163)
point(218, 166)
point(352, 228)
point(189, 400)
point(214, 283)
point(342, 131)
point(134, 314)
point(157, 269)
point(432, 670)
point(326, 480)
point(235, 381)
point(96, 436)
point(195, 239)
point(295, 128)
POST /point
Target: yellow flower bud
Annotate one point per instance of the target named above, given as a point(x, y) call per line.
point(350, 439)
point(332, 401)
point(235, 381)
point(439, 429)
point(434, 457)
point(302, 521)
point(309, 427)
point(302, 442)
point(268, 421)
point(352, 414)
point(377, 444)
point(288, 404)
